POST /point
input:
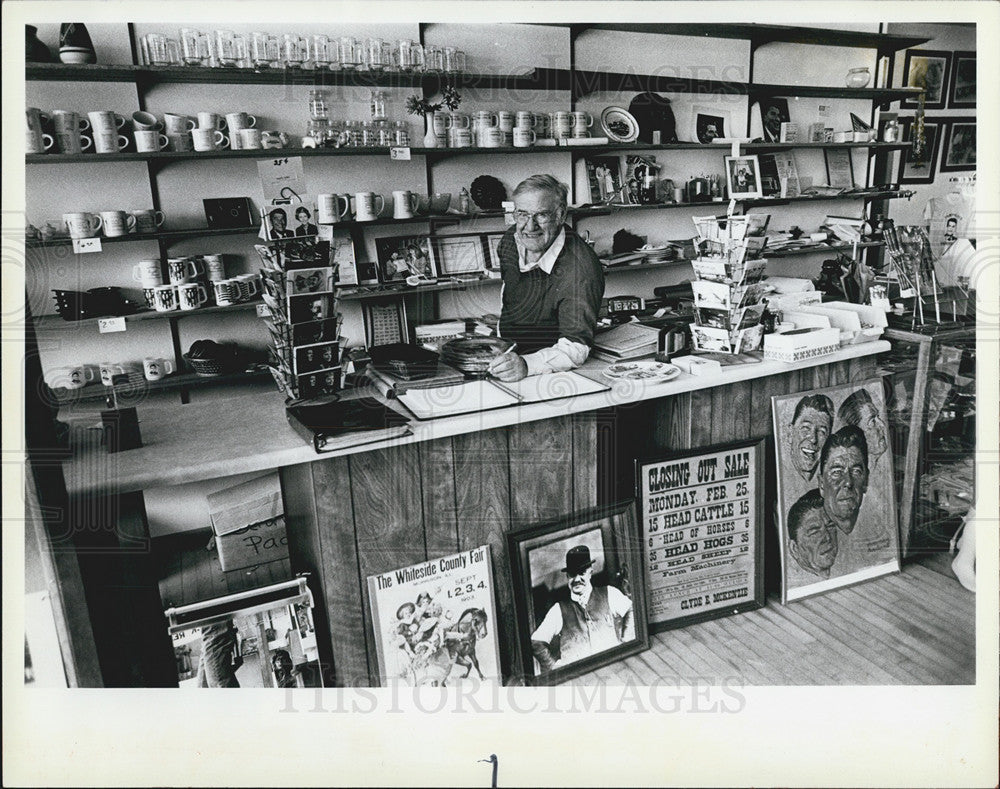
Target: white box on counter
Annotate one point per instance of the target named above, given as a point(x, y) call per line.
point(800, 344)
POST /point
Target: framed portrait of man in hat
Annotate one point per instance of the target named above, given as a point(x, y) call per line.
point(579, 590)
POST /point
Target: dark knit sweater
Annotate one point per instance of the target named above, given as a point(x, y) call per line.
point(538, 308)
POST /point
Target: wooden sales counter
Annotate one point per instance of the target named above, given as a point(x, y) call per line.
point(456, 483)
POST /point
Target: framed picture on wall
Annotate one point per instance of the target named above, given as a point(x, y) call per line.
point(455, 255)
point(927, 69)
point(919, 170)
point(702, 561)
point(958, 151)
point(962, 88)
point(585, 567)
point(836, 491)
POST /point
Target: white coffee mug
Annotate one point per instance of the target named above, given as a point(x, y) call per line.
point(582, 119)
point(236, 121)
point(105, 121)
point(249, 139)
point(165, 298)
point(215, 267)
point(191, 295)
point(148, 272)
point(524, 137)
point(332, 208)
point(404, 203)
point(82, 224)
point(183, 270)
point(505, 120)
point(117, 223)
point(459, 137)
point(68, 126)
point(525, 119)
point(562, 124)
point(109, 370)
point(71, 377)
point(442, 122)
point(492, 137)
point(211, 120)
point(109, 141)
point(36, 140)
point(177, 124)
point(249, 285)
point(484, 118)
point(209, 139)
point(145, 121)
point(364, 206)
point(155, 369)
point(150, 140)
point(147, 220)
point(227, 292)
point(460, 120)
point(180, 142)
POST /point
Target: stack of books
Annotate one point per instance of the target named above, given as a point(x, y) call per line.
point(624, 342)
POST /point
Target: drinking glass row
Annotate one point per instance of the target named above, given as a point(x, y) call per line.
point(226, 49)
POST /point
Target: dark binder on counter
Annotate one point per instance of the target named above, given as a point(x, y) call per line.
point(346, 423)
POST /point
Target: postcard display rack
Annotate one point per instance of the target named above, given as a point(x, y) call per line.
point(303, 323)
point(727, 289)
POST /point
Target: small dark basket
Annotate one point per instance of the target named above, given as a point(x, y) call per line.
point(218, 366)
point(72, 305)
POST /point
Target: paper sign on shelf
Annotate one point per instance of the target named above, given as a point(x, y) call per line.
point(399, 154)
point(262, 311)
point(281, 176)
point(109, 325)
point(82, 245)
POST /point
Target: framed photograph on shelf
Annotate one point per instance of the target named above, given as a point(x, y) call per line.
point(493, 249)
point(773, 111)
point(927, 69)
point(922, 170)
point(604, 174)
point(962, 88)
point(839, 168)
point(836, 495)
point(958, 150)
point(586, 566)
point(743, 177)
point(385, 321)
point(779, 175)
point(702, 532)
point(400, 257)
point(435, 623)
point(707, 123)
point(460, 254)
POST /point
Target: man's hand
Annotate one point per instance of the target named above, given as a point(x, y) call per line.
point(508, 367)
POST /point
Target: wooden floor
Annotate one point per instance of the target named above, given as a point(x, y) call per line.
point(913, 628)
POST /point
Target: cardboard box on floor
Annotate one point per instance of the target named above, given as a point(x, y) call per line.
point(249, 523)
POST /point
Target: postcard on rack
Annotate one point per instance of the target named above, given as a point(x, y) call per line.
point(435, 622)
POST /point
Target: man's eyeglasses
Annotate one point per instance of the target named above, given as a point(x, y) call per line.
point(541, 218)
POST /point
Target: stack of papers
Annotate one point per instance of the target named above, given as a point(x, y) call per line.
point(627, 341)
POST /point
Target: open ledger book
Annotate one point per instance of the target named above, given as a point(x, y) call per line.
point(487, 394)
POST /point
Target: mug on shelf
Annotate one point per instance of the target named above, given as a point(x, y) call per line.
point(145, 121)
point(148, 272)
point(150, 140)
point(404, 204)
point(211, 120)
point(249, 285)
point(147, 220)
point(149, 295)
point(165, 298)
point(227, 292)
point(209, 139)
point(37, 141)
point(524, 137)
point(364, 206)
point(236, 121)
point(215, 267)
point(461, 120)
point(109, 370)
point(332, 208)
point(506, 119)
point(582, 119)
point(109, 141)
point(183, 270)
point(154, 369)
point(117, 223)
point(74, 376)
point(82, 224)
point(191, 295)
point(491, 137)
point(249, 139)
point(181, 142)
point(525, 119)
point(442, 122)
point(105, 121)
point(459, 137)
point(561, 124)
point(178, 124)
point(68, 125)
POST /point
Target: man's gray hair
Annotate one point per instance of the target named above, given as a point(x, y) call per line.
point(544, 183)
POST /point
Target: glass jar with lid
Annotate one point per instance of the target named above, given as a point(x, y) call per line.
point(317, 104)
point(858, 77)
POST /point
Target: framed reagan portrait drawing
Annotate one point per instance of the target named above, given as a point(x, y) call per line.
point(836, 496)
point(579, 591)
point(927, 69)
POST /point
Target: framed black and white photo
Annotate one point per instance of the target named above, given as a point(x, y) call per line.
point(400, 257)
point(958, 149)
point(773, 111)
point(926, 69)
point(914, 170)
point(493, 250)
point(579, 591)
point(962, 88)
point(836, 491)
point(462, 254)
point(839, 168)
point(743, 177)
point(607, 183)
point(702, 533)
point(708, 123)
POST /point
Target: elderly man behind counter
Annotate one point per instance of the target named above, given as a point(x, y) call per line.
point(552, 285)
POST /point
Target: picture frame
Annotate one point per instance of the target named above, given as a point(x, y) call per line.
point(958, 147)
point(911, 172)
point(606, 180)
point(458, 254)
point(385, 321)
point(839, 168)
point(436, 619)
point(779, 174)
point(492, 244)
point(400, 257)
point(928, 69)
point(635, 168)
point(709, 123)
point(836, 492)
point(962, 87)
point(284, 220)
point(772, 111)
point(684, 503)
point(743, 177)
point(600, 546)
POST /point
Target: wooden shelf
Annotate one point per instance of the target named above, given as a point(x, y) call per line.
point(364, 292)
point(171, 382)
point(149, 315)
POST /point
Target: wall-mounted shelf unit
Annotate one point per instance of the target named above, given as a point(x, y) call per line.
point(170, 383)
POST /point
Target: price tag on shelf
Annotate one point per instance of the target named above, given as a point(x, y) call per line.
point(82, 245)
point(735, 149)
point(109, 325)
point(262, 311)
point(399, 154)
point(732, 207)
